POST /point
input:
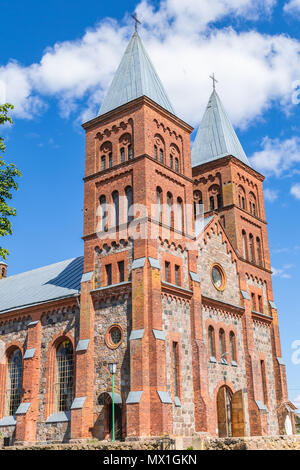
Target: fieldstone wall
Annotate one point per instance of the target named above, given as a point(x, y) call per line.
point(214, 251)
point(111, 311)
point(263, 345)
point(176, 319)
point(235, 375)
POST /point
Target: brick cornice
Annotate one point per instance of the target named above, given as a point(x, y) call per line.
point(176, 291)
point(133, 106)
point(219, 305)
point(261, 318)
point(224, 161)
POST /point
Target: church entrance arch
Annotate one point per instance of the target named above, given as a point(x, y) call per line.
point(106, 401)
point(230, 410)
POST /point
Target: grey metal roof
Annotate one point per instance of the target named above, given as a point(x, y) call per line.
point(216, 137)
point(134, 78)
point(41, 285)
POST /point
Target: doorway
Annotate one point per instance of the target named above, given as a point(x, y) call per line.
point(230, 410)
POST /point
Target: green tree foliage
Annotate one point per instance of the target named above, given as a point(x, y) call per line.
point(8, 175)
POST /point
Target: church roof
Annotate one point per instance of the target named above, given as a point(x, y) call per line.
point(40, 285)
point(134, 78)
point(216, 137)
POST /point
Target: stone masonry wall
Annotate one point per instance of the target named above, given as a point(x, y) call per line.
point(109, 312)
point(176, 323)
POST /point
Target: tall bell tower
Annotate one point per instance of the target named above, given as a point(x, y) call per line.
point(137, 157)
point(225, 182)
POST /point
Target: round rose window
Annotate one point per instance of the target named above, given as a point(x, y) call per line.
point(218, 277)
point(114, 336)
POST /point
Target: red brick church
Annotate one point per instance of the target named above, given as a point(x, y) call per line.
point(182, 303)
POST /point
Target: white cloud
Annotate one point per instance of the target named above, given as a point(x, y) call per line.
point(276, 156)
point(282, 272)
point(270, 194)
point(292, 7)
point(295, 190)
point(185, 48)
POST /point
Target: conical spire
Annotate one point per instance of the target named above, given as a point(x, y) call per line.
point(135, 77)
point(216, 137)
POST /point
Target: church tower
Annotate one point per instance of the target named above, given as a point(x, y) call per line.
point(225, 183)
point(137, 161)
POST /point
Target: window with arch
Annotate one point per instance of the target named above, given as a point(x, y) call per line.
point(215, 197)
point(252, 204)
point(171, 161)
point(232, 342)
point(180, 223)
point(106, 154)
point(211, 341)
point(64, 375)
point(103, 213)
point(129, 202)
point(14, 381)
point(197, 203)
point(258, 251)
point(159, 148)
point(242, 197)
point(251, 248)
point(175, 154)
point(222, 342)
point(159, 203)
point(245, 250)
point(126, 148)
point(116, 209)
point(170, 210)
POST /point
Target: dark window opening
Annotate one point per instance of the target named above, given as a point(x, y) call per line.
point(121, 271)
point(108, 274)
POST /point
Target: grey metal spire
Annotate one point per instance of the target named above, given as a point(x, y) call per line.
point(216, 137)
point(135, 77)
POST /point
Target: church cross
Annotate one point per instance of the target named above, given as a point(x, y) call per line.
point(136, 21)
point(214, 80)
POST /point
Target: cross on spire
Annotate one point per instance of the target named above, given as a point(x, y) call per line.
point(137, 21)
point(214, 80)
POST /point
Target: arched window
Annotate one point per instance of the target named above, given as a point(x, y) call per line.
point(64, 376)
point(242, 197)
point(197, 203)
point(258, 251)
point(212, 203)
point(220, 201)
point(159, 148)
point(115, 197)
point(251, 248)
point(211, 342)
point(171, 161)
point(103, 213)
point(159, 203)
point(175, 154)
point(170, 209)
point(252, 204)
point(222, 344)
point(126, 149)
point(122, 154)
point(14, 381)
point(106, 155)
point(180, 214)
point(161, 156)
point(232, 346)
point(176, 164)
point(245, 251)
point(129, 198)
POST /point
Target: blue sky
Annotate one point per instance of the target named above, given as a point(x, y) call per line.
point(56, 61)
